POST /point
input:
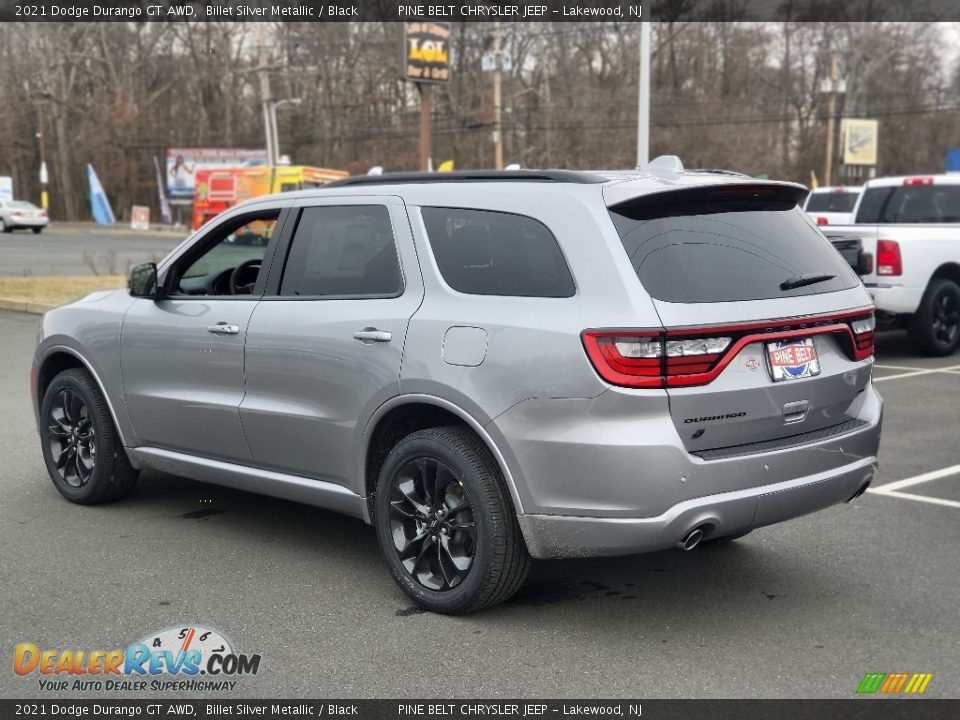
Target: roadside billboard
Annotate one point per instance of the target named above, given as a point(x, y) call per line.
point(183, 163)
point(6, 188)
point(859, 138)
point(426, 52)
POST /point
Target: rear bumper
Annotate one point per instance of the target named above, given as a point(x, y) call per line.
point(601, 476)
point(21, 222)
point(731, 513)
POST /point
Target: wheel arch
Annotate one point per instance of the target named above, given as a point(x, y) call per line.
point(405, 414)
point(59, 358)
point(946, 271)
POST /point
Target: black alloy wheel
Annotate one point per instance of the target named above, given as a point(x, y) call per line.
point(446, 524)
point(432, 523)
point(83, 452)
point(935, 327)
point(72, 438)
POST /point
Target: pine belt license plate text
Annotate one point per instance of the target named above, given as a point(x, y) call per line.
point(792, 359)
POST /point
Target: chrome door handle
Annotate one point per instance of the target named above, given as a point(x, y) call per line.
point(372, 335)
point(223, 329)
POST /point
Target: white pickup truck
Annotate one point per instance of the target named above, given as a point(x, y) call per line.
point(905, 243)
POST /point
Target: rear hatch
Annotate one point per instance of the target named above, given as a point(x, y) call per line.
point(765, 327)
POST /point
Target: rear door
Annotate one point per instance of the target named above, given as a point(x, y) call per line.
point(756, 307)
point(324, 346)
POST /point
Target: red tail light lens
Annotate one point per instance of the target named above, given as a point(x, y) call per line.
point(822, 221)
point(863, 329)
point(683, 358)
point(628, 359)
point(888, 258)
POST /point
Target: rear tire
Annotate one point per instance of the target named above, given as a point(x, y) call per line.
point(84, 456)
point(37, 230)
point(445, 523)
point(935, 328)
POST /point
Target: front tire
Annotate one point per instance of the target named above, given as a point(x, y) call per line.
point(935, 328)
point(4, 228)
point(445, 523)
point(84, 456)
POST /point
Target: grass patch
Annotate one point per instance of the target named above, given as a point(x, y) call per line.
point(55, 290)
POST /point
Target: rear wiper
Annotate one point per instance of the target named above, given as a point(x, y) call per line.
point(804, 280)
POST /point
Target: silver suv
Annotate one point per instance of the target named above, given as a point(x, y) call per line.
point(487, 367)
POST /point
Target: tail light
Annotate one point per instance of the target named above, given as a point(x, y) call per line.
point(16, 213)
point(863, 329)
point(823, 221)
point(696, 356)
point(43, 213)
point(918, 181)
point(888, 258)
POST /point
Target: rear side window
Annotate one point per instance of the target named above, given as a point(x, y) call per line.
point(727, 244)
point(910, 204)
point(481, 252)
point(832, 201)
point(346, 251)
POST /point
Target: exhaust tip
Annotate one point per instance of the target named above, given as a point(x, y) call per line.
point(691, 540)
point(861, 491)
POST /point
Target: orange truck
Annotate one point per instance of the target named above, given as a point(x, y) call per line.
point(220, 188)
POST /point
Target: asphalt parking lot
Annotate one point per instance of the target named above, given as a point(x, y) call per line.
point(802, 609)
point(79, 249)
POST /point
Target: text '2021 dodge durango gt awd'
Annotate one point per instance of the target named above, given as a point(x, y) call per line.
point(487, 367)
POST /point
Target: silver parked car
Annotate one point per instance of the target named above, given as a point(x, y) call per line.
point(487, 367)
point(22, 214)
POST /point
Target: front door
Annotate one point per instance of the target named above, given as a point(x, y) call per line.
point(182, 355)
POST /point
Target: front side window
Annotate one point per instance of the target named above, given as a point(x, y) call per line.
point(481, 252)
point(229, 261)
point(345, 251)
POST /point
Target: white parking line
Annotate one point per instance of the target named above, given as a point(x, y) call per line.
point(884, 366)
point(920, 498)
point(915, 373)
point(891, 489)
point(916, 480)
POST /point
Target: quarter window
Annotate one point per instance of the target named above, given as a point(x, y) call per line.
point(344, 251)
point(481, 252)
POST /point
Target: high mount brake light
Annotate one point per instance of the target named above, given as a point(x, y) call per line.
point(918, 181)
point(889, 261)
point(684, 358)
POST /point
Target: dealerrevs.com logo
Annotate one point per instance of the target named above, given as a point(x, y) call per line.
point(187, 658)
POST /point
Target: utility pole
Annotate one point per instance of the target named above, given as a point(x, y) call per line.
point(425, 108)
point(44, 177)
point(643, 105)
point(497, 99)
point(831, 113)
point(264, 73)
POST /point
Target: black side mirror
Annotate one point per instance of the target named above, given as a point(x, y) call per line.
point(143, 281)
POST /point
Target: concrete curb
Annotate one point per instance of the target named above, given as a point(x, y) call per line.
point(24, 307)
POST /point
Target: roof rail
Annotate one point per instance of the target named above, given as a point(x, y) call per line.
point(467, 176)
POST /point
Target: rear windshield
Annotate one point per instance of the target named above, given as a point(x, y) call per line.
point(719, 246)
point(833, 201)
point(910, 204)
